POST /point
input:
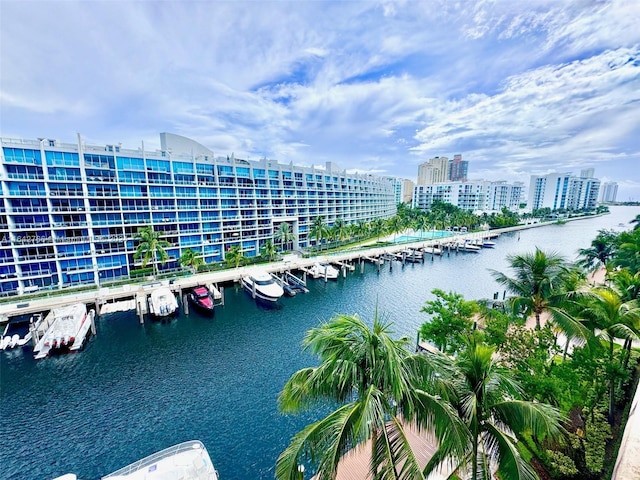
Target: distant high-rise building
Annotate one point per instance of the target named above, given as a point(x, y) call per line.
point(587, 173)
point(458, 169)
point(563, 191)
point(435, 170)
point(407, 190)
point(609, 192)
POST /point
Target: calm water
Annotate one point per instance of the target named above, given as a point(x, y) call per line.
point(137, 389)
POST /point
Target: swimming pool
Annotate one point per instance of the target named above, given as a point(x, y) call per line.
point(420, 235)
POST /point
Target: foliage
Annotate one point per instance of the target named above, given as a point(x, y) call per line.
point(234, 256)
point(284, 235)
point(268, 251)
point(151, 248)
point(562, 465)
point(597, 433)
point(140, 272)
point(451, 320)
point(375, 382)
point(601, 250)
point(191, 259)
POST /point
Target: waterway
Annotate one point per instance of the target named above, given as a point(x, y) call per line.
point(137, 389)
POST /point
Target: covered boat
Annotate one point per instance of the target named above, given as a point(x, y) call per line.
point(162, 303)
point(324, 270)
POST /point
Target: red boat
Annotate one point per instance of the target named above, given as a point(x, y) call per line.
point(202, 299)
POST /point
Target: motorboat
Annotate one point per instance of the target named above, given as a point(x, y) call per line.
point(486, 243)
point(202, 299)
point(185, 461)
point(411, 255)
point(324, 270)
point(162, 303)
point(260, 284)
point(67, 331)
point(19, 331)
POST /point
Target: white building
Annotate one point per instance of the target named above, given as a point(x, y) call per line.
point(563, 191)
point(480, 195)
point(609, 192)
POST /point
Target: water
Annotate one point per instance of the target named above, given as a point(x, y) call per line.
point(137, 389)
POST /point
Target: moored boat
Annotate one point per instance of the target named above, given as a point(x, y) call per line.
point(18, 331)
point(261, 285)
point(202, 299)
point(324, 270)
point(184, 461)
point(68, 329)
point(162, 303)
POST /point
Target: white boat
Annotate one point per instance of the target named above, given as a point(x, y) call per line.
point(411, 255)
point(261, 285)
point(162, 302)
point(324, 270)
point(185, 461)
point(486, 243)
point(68, 328)
point(18, 331)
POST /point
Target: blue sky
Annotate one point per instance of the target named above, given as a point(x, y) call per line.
point(516, 87)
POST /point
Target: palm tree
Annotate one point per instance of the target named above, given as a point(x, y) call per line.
point(636, 221)
point(284, 235)
point(540, 285)
point(378, 227)
point(613, 318)
point(340, 229)
point(190, 259)
point(422, 224)
point(268, 250)
point(318, 230)
point(601, 250)
point(151, 248)
point(234, 256)
point(377, 383)
point(488, 400)
point(396, 225)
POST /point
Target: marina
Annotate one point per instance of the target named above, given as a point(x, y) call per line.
point(158, 384)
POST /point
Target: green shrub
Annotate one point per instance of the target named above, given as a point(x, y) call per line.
point(597, 433)
point(561, 465)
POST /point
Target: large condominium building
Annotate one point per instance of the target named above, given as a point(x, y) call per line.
point(608, 192)
point(563, 191)
point(435, 170)
point(407, 190)
point(69, 213)
point(483, 196)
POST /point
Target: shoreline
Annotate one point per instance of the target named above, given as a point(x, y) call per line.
point(102, 295)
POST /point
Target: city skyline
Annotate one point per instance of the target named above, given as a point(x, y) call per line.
point(518, 89)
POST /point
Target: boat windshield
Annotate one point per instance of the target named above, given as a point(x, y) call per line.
point(201, 292)
point(263, 282)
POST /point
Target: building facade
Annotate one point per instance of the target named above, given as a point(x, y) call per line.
point(458, 169)
point(434, 171)
point(608, 192)
point(563, 191)
point(69, 213)
point(482, 196)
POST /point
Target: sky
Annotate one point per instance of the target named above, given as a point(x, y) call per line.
point(516, 87)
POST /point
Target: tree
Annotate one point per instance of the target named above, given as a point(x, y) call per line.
point(151, 248)
point(451, 321)
point(601, 250)
point(284, 235)
point(396, 225)
point(268, 250)
point(190, 259)
point(340, 229)
point(378, 227)
point(636, 220)
point(318, 230)
point(488, 400)
point(234, 256)
point(540, 285)
point(612, 319)
point(375, 381)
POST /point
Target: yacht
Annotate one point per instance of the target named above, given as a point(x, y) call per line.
point(260, 284)
point(185, 461)
point(67, 330)
point(162, 303)
point(19, 331)
point(202, 299)
point(324, 270)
